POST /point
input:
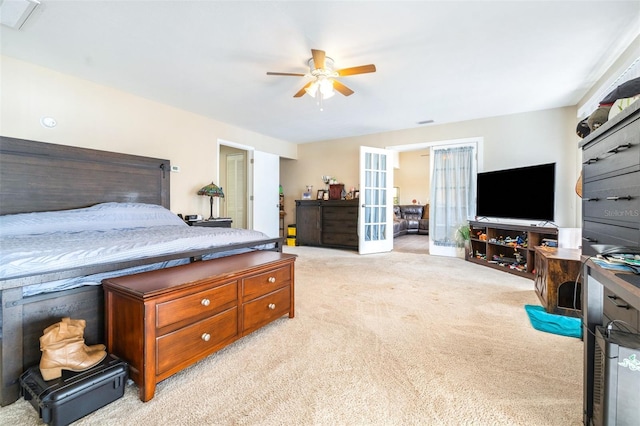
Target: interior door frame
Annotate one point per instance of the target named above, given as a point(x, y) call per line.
point(478, 140)
point(233, 212)
point(251, 205)
point(248, 149)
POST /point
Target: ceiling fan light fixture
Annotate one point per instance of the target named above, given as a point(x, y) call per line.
point(324, 78)
point(326, 88)
point(328, 67)
point(322, 87)
point(312, 89)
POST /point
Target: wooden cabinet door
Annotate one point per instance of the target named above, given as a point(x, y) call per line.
point(308, 223)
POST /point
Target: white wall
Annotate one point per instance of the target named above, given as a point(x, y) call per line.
point(413, 176)
point(509, 141)
point(99, 117)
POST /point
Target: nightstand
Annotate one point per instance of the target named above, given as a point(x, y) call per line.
point(223, 222)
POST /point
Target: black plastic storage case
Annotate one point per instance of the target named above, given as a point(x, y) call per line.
point(74, 395)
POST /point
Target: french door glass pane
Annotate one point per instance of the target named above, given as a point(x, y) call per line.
point(375, 196)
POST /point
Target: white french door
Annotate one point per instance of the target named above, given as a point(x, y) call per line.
point(375, 218)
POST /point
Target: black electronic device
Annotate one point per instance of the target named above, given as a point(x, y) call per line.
point(525, 193)
point(616, 378)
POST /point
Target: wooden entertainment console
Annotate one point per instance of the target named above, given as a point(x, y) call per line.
point(162, 321)
point(508, 247)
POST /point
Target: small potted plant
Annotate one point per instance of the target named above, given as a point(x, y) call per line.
point(463, 237)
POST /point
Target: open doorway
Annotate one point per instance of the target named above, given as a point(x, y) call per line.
point(233, 179)
point(411, 200)
point(250, 182)
point(415, 171)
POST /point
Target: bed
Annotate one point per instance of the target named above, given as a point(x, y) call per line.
point(70, 217)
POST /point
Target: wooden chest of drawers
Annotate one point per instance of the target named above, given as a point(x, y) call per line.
point(340, 224)
point(611, 215)
point(332, 223)
point(615, 308)
point(611, 182)
point(163, 321)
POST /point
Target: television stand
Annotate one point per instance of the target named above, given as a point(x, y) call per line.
point(547, 222)
point(496, 245)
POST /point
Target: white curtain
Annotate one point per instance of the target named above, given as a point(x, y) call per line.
point(452, 193)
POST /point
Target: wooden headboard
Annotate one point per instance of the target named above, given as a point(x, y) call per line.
point(38, 176)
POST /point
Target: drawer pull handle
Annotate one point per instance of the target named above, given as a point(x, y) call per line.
point(590, 240)
point(591, 199)
point(619, 148)
point(628, 197)
point(617, 305)
point(591, 160)
point(205, 302)
point(272, 279)
point(272, 306)
point(205, 337)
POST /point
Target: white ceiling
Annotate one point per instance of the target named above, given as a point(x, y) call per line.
point(444, 61)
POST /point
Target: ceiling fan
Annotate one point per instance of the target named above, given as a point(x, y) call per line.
point(324, 76)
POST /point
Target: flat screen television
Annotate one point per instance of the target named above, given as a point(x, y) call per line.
point(526, 193)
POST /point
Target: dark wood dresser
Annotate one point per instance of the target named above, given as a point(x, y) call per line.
point(327, 223)
point(162, 321)
point(611, 182)
point(611, 215)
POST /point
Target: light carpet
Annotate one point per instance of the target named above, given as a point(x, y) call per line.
point(383, 339)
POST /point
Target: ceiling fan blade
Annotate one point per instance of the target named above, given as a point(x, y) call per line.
point(318, 58)
point(342, 88)
point(362, 69)
point(301, 92)
point(285, 73)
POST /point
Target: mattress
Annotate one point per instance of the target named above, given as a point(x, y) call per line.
point(38, 244)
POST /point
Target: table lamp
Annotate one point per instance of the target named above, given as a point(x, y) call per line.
point(211, 190)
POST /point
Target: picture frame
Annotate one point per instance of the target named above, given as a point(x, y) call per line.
point(356, 194)
point(320, 195)
point(306, 195)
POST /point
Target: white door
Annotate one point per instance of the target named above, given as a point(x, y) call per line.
point(375, 218)
point(264, 208)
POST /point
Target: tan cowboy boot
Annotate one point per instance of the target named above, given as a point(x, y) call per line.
point(76, 329)
point(68, 354)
